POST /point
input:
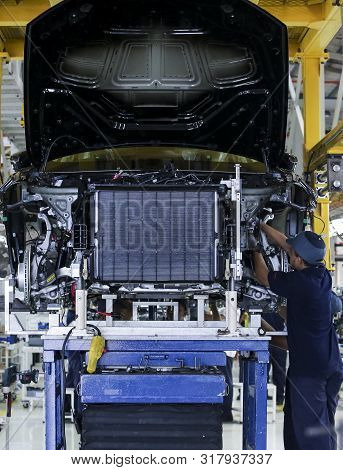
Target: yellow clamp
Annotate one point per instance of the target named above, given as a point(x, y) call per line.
point(95, 353)
point(245, 319)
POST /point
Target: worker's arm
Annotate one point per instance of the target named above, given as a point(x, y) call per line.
point(261, 270)
point(275, 236)
point(277, 341)
point(282, 311)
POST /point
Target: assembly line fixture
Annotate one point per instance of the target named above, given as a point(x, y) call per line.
point(173, 388)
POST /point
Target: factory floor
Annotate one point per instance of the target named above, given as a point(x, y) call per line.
point(27, 430)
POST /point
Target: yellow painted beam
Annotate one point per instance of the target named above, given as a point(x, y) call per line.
point(318, 157)
point(321, 225)
point(23, 13)
point(312, 56)
point(318, 38)
point(312, 101)
point(298, 16)
point(14, 48)
point(310, 16)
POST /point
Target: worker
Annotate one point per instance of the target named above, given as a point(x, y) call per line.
point(315, 372)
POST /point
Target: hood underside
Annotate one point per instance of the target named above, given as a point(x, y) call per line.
point(199, 74)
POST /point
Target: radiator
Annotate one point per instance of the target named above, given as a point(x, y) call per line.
point(155, 235)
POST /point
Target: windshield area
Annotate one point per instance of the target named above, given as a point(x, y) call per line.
point(153, 158)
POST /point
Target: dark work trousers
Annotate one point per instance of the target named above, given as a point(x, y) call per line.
point(278, 358)
point(310, 408)
point(227, 372)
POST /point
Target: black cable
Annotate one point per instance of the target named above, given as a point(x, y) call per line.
point(95, 328)
point(322, 221)
point(64, 441)
point(48, 151)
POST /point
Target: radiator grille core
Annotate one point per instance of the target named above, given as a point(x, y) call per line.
point(159, 236)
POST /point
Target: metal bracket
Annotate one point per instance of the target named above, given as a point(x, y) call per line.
point(60, 200)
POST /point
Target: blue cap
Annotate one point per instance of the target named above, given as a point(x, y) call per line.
point(309, 246)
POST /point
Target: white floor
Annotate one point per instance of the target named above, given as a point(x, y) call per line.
point(27, 430)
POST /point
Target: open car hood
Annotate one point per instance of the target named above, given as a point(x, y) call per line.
point(183, 73)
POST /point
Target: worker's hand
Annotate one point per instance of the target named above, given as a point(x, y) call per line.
point(253, 243)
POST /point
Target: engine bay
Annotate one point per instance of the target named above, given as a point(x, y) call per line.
point(145, 245)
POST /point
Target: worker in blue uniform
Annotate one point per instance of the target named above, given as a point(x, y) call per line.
point(315, 371)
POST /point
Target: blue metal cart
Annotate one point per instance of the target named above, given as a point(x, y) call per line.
point(166, 353)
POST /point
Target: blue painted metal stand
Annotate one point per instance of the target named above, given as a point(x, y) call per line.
point(159, 353)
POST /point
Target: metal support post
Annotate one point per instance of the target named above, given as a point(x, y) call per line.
point(254, 401)
point(338, 106)
point(313, 111)
point(8, 299)
point(236, 197)
point(200, 308)
point(231, 310)
point(322, 98)
point(312, 100)
point(321, 225)
point(81, 309)
point(109, 307)
point(53, 402)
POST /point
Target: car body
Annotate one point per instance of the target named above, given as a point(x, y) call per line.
point(137, 115)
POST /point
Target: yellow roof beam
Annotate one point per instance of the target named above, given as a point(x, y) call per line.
point(314, 15)
point(318, 38)
point(310, 16)
point(298, 16)
point(23, 13)
point(14, 48)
